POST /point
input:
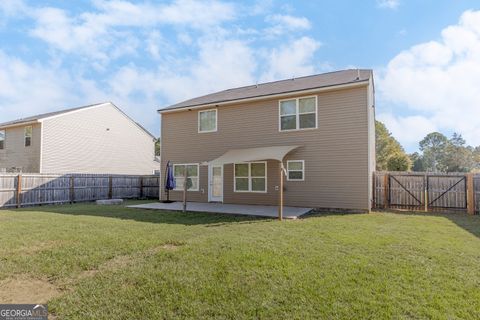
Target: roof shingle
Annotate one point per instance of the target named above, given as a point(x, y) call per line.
point(44, 115)
point(277, 87)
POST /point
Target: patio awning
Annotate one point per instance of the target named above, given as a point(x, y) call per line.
point(253, 154)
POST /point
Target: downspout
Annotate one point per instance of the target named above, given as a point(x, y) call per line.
point(40, 167)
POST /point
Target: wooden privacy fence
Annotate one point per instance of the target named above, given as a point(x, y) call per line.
point(427, 191)
point(18, 190)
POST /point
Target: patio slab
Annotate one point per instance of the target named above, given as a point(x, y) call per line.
point(238, 209)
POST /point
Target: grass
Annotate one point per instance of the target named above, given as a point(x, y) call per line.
point(115, 262)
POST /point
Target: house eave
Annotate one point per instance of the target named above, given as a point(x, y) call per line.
point(360, 83)
point(19, 124)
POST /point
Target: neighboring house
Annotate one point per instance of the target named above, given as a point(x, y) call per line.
point(98, 138)
point(233, 142)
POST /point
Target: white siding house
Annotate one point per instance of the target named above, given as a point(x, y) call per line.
point(93, 139)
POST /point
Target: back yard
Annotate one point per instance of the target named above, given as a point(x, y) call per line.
point(93, 262)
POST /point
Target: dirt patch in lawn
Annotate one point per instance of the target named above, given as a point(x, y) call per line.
point(38, 247)
point(124, 261)
point(27, 290)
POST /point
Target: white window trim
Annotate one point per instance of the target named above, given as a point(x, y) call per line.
point(297, 114)
point(303, 170)
point(25, 136)
point(180, 188)
point(4, 139)
point(216, 121)
point(249, 177)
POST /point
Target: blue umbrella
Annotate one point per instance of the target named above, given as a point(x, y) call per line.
point(170, 180)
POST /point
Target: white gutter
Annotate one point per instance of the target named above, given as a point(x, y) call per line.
point(41, 148)
point(20, 124)
point(266, 97)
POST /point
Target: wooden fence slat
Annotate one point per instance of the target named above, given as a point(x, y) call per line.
point(427, 191)
point(470, 194)
point(386, 188)
point(19, 191)
point(35, 189)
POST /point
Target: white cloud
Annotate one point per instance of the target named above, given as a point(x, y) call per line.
point(408, 128)
point(390, 4)
point(290, 22)
point(438, 80)
point(282, 24)
point(12, 7)
point(175, 51)
point(293, 59)
point(96, 34)
point(26, 89)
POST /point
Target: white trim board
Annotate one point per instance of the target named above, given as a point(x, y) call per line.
point(362, 83)
point(297, 113)
point(216, 120)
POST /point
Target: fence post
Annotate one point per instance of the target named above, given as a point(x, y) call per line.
point(470, 194)
point(72, 190)
point(386, 191)
point(141, 187)
point(110, 187)
point(19, 191)
point(426, 187)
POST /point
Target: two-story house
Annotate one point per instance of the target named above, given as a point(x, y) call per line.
point(233, 143)
point(98, 138)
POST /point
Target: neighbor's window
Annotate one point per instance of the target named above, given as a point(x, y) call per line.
point(2, 139)
point(207, 120)
point(179, 175)
point(297, 114)
point(250, 177)
point(296, 170)
point(28, 136)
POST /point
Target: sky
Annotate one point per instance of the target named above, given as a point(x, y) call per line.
point(145, 55)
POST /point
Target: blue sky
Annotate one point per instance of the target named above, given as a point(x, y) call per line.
point(143, 55)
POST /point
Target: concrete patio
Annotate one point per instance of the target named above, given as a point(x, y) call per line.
point(247, 210)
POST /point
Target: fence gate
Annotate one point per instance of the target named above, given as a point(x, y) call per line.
point(406, 191)
point(427, 191)
point(447, 191)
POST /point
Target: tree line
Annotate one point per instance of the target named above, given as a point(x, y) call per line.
point(438, 153)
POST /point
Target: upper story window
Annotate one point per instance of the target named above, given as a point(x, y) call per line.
point(2, 139)
point(207, 120)
point(28, 136)
point(192, 176)
point(298, 114)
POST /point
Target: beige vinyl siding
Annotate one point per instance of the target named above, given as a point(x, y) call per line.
point(96, 140)
point(336, 154)
point(371, 128)
point(15, 154)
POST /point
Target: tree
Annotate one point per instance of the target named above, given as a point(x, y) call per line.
point(157, 147)
point(386, 145)
point(434, 147)
point(476, 158)
point(458, 157)
point(399, 162)
point(417, 162)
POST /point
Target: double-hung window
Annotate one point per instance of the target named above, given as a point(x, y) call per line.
point(207, 120)
point(250, 177)
point(192, 175)
point(295, 170)
point(298, 114)
point(2, 139)
point(28, 136)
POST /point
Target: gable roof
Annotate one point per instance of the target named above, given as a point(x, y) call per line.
point(45, 115)
point(37, 118)
point(318, 81)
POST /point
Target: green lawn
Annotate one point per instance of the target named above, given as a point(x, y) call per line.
point(113, 262)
